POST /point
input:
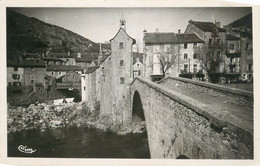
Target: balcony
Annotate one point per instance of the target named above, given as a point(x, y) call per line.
point(185, 71)
point(233, 53)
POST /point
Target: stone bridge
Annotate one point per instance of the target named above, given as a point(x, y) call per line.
point(197, 120)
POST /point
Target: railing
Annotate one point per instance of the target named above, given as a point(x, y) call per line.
point(235, 53)
point(191, 72)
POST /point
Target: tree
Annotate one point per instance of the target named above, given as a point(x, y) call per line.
point(168, 58)
point(211, 57)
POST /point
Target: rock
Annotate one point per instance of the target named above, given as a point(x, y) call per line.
point(32, 106)
point(55, 123)
point(58, 109)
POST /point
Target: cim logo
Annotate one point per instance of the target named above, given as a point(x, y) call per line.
point(24, 149)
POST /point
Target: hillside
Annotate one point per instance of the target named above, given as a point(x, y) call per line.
point(29, 34)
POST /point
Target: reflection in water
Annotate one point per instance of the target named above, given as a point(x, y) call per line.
point(78, 143)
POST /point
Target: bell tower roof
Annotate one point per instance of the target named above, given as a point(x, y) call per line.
point(122, 23)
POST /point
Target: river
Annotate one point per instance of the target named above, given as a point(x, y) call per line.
point(74, 142)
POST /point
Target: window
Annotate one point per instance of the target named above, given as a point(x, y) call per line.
point(185, 45)
point(185, 67)
point(121, 45)
point(122, 80)
point(195, 56)
point(15, 68)
point(194, 44)
point(210, 41)
point(32, 81)
point(121, 62)
point(139, 72)
point(247, 46)
point(84, 88)
point(185, 56)
point(138, 65)
point(231, 46)
point(52, 73)
point(218, 42)
point(16, 76)
point(17, 83)
point(249, 67)
point(59, 73)
point(195, 68)
point(9, 84)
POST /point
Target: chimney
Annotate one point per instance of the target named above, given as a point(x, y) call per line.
point(68, 53)
point(145, 32)
point(157, 30)
point(179, 30)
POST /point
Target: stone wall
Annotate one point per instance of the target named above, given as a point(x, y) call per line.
point(106, 94)
point(239, 97)
point(179, 125)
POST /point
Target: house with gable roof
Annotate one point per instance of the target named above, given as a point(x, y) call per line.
point(181, 45)
point(213, 36)
point(112, 77)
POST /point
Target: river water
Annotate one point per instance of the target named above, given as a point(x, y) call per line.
point(76, 142)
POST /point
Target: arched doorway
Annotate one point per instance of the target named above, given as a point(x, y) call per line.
point(137, 109)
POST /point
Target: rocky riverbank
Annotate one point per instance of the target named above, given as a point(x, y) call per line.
point(43, 116)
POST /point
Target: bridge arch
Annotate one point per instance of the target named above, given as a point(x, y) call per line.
point(182, 157)
point(137, 108)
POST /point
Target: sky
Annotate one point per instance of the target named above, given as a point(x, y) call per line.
point(101, 24)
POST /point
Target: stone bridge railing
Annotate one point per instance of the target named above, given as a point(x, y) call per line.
point(179, 125)
point(237, 96)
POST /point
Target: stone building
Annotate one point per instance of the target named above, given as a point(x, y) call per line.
point(242, 28)
point(71, 76)
point(84, 59)
point(58, 71)
point(109, 83)
point(68, 58)
point(214, 37)
point(53, 61)
point(233, 56)
point(25, 72)
point(138, 69)
point(179, 46)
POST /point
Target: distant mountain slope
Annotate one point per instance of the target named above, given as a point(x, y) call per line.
point(29, 34)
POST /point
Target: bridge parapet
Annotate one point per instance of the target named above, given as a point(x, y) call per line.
point(179, 124)
point(232, 95)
